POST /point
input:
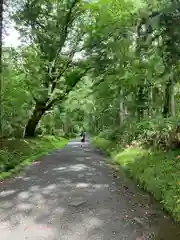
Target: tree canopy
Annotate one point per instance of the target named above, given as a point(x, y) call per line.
point(109, 67)
point(104, 65)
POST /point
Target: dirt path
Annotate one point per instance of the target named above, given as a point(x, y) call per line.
point(73, 195)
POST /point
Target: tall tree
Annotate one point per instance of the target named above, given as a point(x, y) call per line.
point(55, 34)
point(135, 54)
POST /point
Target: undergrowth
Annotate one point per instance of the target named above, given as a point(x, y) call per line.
point(18, 153)
point(149, 152)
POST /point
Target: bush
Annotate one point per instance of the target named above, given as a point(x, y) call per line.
point(5, 159)
point(160, 133)
point(103, 144)
point(16, 152)
point(156, 171)
point(107, 134)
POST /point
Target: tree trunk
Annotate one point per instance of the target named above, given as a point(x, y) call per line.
point(1, 84)
point(38, 112)
point(169, 101)
point(150, 102)
point(173, 106)
point(121, 108)
point(1, 30)
point(140, 103)
point(166, 108)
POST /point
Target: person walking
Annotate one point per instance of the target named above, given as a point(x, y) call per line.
point(83, 135)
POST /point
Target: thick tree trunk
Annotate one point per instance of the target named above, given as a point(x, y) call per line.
point(38, 112)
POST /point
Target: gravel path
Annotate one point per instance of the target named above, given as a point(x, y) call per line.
point(74, 195)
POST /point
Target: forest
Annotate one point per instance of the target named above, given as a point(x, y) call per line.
point(110, 67)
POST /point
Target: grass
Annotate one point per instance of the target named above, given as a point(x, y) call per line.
point(15, 154)
point(157, 172)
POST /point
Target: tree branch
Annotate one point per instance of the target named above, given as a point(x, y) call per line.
point(68, 90)
point(71, 55)
point(52, 102)
point(67, 22)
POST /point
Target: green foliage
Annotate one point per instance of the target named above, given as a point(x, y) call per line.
point(102, 143)
point(15, 154)
point(109, 66)
point(42, 72)
point(136, 92)
point(156, 171)
point(15, 97)
point(46, 67)
point(159, 132)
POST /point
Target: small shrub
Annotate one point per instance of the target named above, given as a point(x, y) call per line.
point(103, 143)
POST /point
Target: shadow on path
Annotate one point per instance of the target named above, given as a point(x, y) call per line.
point(72, 195)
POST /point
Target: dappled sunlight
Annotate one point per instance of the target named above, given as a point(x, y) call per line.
point(38, 207)
point(100, 186)
point(75, 167)
point(24, 195)
point(80, 159)
point(83, 68)
point(34, 188)
point(7, 193)
point(51, 187)
point(26, 178)
point(91, 186)
point(127, 156)
point(82, 185)
point(24, 206)
point(29, 230)
point(7, 205)
point(60, 169)
point(92, 221)
point(82, 230)
point(63, 199)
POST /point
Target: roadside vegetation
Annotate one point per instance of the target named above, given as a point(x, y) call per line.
point(16, 154)
point(135, 116)
point(111, 67)
point(156, 171)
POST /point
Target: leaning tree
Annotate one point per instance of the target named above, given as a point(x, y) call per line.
point(54, 32)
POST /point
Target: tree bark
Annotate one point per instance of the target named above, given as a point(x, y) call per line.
point(38, 112)
point(140, 102)
point(169, 101)
point(150, 101)
point(1, 30)
point(166, 108)
point(173, 103)
point(1, 83)
point(121, 108)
